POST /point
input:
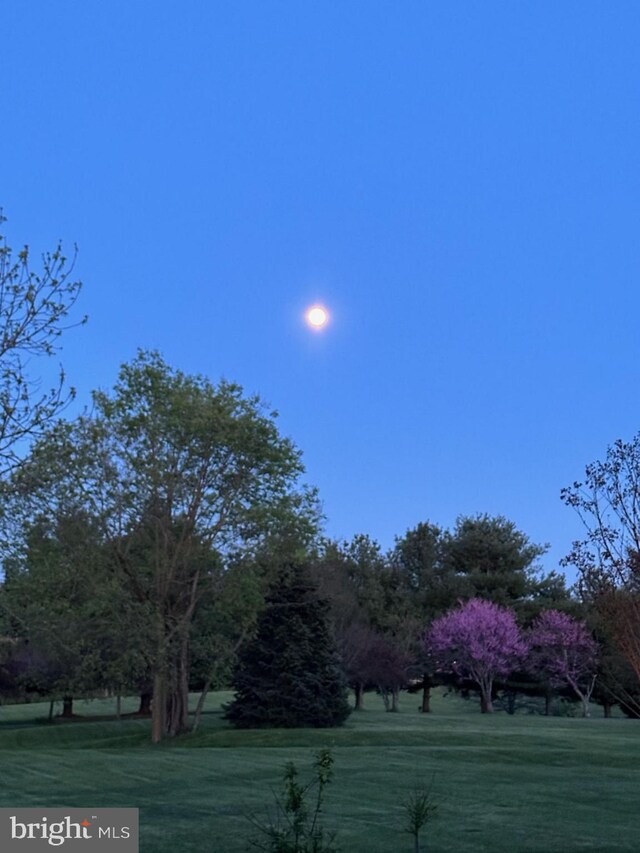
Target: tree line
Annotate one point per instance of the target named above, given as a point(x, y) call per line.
point(148, 544)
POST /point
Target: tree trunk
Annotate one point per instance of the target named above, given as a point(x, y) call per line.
point(177, 719)
point(395, 693)
point(145, 703)
point(184, 685)
point(547, 703)
point(607, 707)
point(51, 706)
point(118, 706)
point(583, 695)
point(385, 698)
point(359, 697)
point(158, 707)
point(67, 706)
point(486, 705)
point(177, 712)
point(201, 700)
point(161, 683)
point(426, 695)
point(173, 712)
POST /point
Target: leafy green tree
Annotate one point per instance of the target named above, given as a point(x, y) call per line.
point(365, 565)
point(418, 555)
point(61, 599)
point(172, 469)
point(224, 620)
point(289, 674)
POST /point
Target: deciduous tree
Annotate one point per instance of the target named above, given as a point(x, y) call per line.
point(34, 311)
point(478, 640)
point(173, 469)
point(62, 600)
point(563, 651)
point(607, 501)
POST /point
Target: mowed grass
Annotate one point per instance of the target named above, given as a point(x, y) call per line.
point(504, 784)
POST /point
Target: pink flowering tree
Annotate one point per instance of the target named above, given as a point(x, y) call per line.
point(478, 640)
point(563, 651)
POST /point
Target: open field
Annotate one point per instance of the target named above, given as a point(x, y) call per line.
point(505, 784)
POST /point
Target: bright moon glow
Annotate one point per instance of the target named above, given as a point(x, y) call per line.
point(317, 317)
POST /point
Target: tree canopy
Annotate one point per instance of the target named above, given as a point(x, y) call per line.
point(497, 560)
point(478, 640)
point(562, 649)
point(172, 470)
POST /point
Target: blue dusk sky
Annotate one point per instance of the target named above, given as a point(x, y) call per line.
point(459, 182)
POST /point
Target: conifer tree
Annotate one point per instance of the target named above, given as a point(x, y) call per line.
point(289, 674)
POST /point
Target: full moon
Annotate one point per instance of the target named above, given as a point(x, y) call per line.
point(317, 316)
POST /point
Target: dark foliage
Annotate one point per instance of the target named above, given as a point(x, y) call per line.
point(289, 675)
point(497, 560)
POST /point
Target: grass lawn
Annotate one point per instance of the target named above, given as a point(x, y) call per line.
point(504, 784)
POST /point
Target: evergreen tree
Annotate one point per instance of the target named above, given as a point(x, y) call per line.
point(497, 560)
point(289, 674)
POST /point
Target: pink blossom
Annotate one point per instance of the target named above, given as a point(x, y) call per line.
point(478, 640)
point(563, 651)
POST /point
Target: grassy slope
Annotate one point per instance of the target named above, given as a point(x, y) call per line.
point(507, 784)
